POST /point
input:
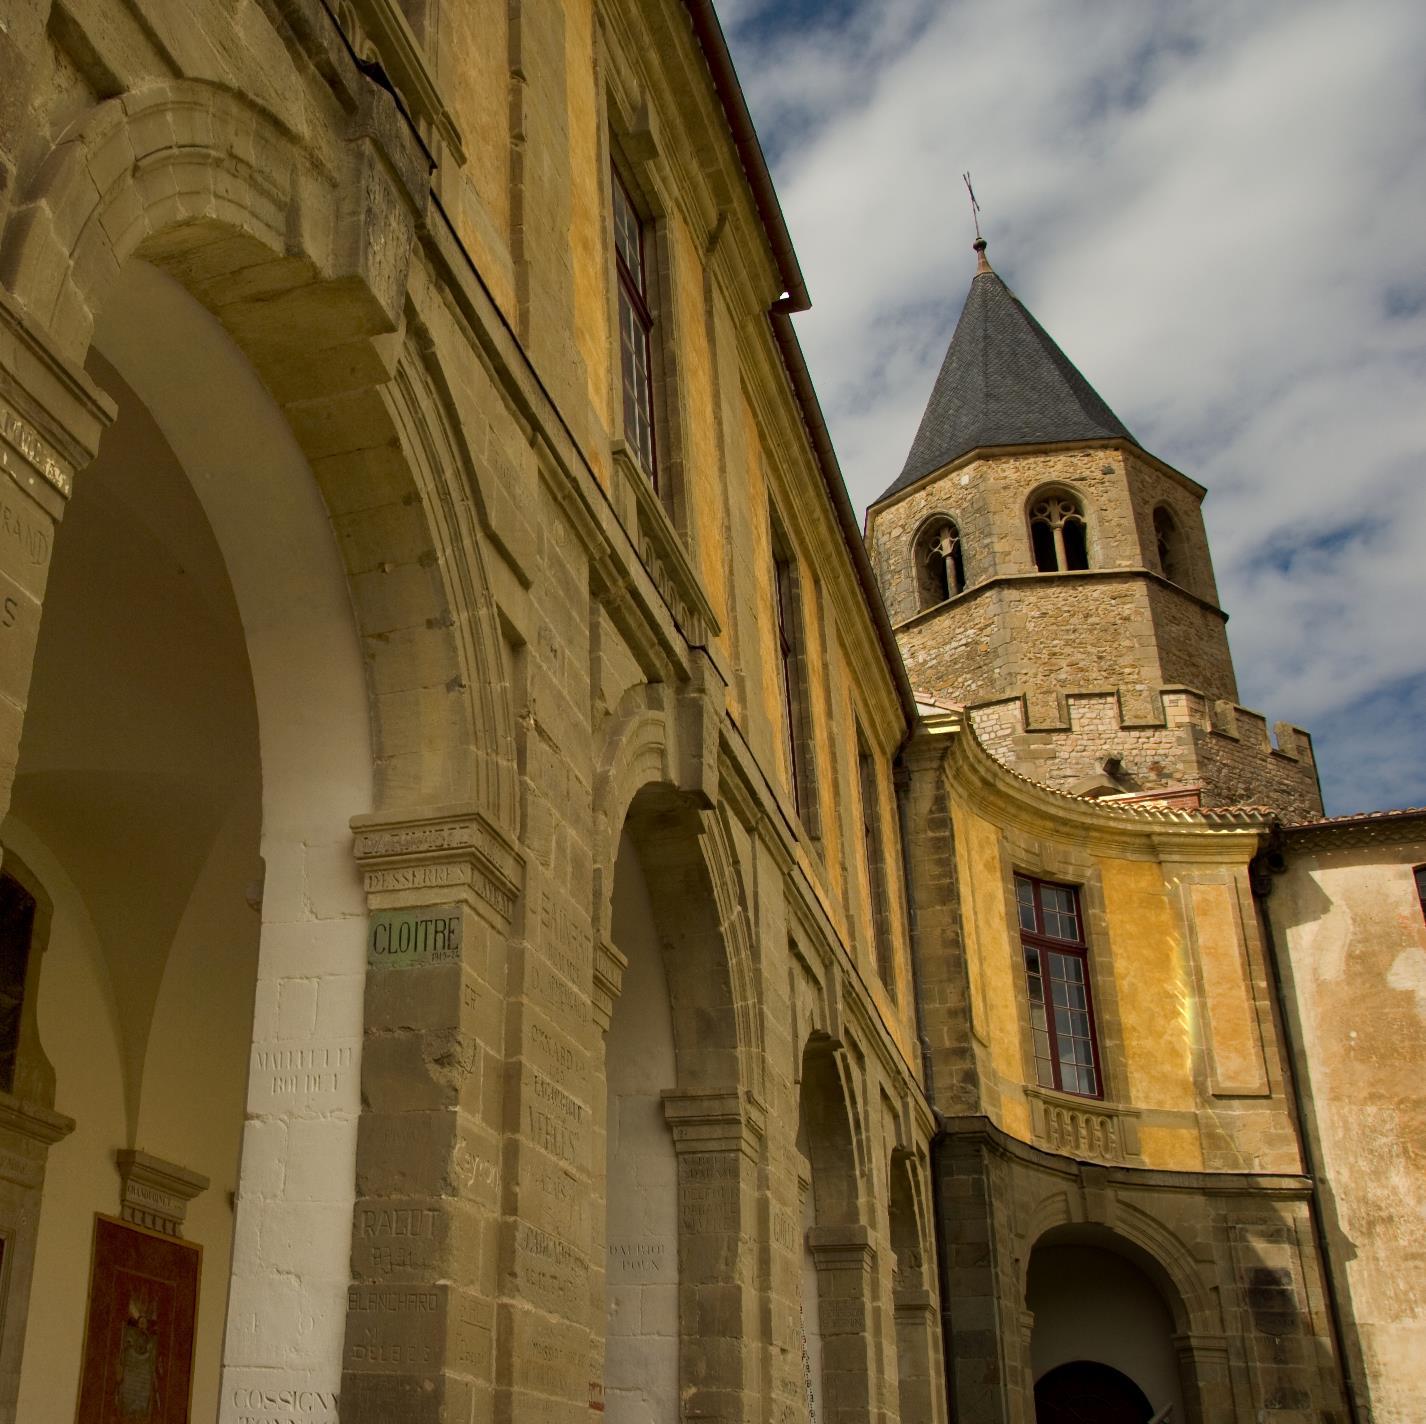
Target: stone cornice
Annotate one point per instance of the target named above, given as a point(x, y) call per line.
point(421, 855)
point(997, 452)
point(1071, 576)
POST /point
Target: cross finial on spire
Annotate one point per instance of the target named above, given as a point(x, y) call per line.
point(979, 244)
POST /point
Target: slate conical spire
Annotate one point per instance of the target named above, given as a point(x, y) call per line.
point(1003, 382)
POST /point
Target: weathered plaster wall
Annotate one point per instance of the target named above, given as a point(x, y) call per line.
point(1353, 944)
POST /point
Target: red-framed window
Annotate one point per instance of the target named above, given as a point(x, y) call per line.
point(1057, 981)
point(636, 326)
point(1421, 888)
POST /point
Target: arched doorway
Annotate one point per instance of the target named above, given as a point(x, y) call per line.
point(1103, 1332)
point(1086, 1392)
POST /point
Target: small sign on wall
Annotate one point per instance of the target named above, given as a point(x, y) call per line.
point(404, 939)
point(137, 1366)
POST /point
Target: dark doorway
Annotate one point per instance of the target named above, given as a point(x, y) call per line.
point(1084, 1392)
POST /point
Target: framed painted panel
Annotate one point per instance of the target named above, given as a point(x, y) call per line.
point(137, 1366)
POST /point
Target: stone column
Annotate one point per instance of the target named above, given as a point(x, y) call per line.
point(51, 418)
point(921, 1398)
point(846, 1262)
point(718, 1139)
point(444, 890)
point(1205, 1377)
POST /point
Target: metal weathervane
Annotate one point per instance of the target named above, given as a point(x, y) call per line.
point(974, 206)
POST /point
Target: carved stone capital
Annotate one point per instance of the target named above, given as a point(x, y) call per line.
point(436, 855)
point(609, 967)
point(715, 1122)
point(155, 1193)
point(51, 413)
point(842, 1247)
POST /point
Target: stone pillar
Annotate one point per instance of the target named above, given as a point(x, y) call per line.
point(27, 1132)
point(444, 890)
point(920, 1397)
point(718, 1139)
point(846, 1262)
point(51, 418)
point(1205, 1377)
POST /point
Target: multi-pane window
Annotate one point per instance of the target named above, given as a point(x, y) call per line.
point(636, 325)
point(792, 677)
point(872, 852)
point(1057, 980)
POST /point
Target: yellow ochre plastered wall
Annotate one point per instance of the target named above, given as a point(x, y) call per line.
point(1180, 1010)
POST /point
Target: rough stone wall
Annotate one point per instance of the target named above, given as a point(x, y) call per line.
point(1184, 741)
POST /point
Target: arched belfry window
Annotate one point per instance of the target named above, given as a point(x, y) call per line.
point(1059, 538)
point(1168, 544)
point(940, 563)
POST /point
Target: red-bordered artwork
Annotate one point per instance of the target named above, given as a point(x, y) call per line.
point(138, 1340)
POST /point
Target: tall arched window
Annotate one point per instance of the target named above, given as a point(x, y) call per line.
point(1059, 539)
point(1168, 543)
point(940, 563)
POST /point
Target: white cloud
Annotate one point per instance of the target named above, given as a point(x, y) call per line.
point(1219, 211)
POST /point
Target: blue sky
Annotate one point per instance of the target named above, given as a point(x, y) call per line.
point(1219, 211)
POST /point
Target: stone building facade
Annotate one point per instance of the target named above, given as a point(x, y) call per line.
point(1134, 1199)
point(452, 869)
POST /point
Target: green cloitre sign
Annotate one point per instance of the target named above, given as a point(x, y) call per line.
point(405, 939)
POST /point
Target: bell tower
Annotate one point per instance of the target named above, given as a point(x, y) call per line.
point(1047, 573)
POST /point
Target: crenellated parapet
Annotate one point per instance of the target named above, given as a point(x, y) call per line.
point(1176, 740)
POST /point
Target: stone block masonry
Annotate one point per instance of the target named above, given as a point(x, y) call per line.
point(1179, 739)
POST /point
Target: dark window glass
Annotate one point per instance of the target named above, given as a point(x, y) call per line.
point(1421, 888)
point(636, 324)
point(1076, 545)
point(792, 677)
point(1043, 538)
point(17, 923)
point(1057, 983)
point(873, 852)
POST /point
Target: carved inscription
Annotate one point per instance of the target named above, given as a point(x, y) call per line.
point(293, 1405)
point(398, 1238)
point(404, 939)
point(553, 1271)
point(33, 451)
point(314, 1070)
point(708, 1192)
point(641, 1260)
point(842, 1317)
point(567, 944)
point(415, 877)
point(393, 1325)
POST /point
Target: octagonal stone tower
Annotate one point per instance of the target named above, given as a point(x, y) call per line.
point(1046, 572)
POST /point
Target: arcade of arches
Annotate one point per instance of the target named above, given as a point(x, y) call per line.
point(434, 938)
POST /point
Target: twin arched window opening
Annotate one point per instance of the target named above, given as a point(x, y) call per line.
point(1059, 537)
point(941, 568)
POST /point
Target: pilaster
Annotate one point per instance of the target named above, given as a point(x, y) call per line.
point(444, 889)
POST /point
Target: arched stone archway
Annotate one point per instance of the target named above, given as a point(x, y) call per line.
point(841, 1322)
point(686, 1131)
point(303, 258)
point(1096, 1297)
point(920, 1398)
point(301, 253)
